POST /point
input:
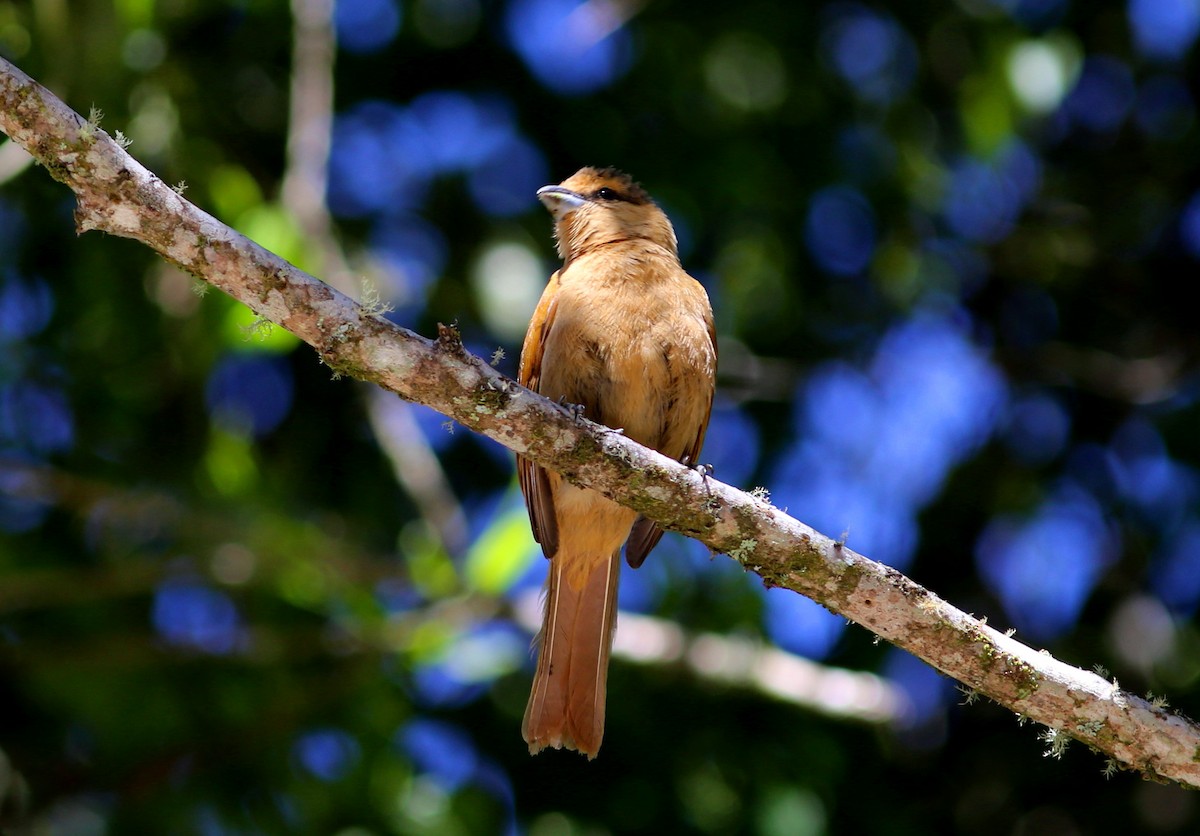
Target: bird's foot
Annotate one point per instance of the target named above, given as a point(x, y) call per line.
point(576, 409)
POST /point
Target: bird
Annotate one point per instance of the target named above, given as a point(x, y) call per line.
point(626, 337)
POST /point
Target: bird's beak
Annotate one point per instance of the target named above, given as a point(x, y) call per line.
point(560, 201)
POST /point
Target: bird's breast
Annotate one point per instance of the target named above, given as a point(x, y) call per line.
point(633, 346)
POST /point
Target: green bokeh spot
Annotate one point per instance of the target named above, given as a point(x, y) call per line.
point(430, 568)
point(229, 463)
point(274, 229)
point(234, 192)
point(501, 554)
point(245, 331)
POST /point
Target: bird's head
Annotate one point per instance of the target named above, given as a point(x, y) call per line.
point(596, 206)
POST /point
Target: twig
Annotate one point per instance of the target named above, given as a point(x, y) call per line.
point(417, 468)
point(733, 661)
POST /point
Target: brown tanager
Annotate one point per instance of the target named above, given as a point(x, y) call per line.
point(625, 335)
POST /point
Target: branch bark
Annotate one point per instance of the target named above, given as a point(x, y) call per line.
point(117, 195)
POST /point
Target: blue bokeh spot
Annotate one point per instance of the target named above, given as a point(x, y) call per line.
point(507, 181)
point(1175, 570)
point(327, 754)
point(19, 511)
point(1038, 428)
point(366, 26)
point(985, 199)
point(35, 418)
point(568, 45)
point(190, 615)
point(731, 445)
point(1164, 29)
point(385, 156)
point(840, 230)
point(250, 393)
point(1189, 226)
point(438, 685)
point(380, 160)
point(25, 306)
point(800, 625)
point(441, 750)
point(1160, 489)
point(462, 131)
point(877, 443)
point(1102, 96)
point(928, 691)
point(1043, 567)
point(870, 51)
point(417, 252)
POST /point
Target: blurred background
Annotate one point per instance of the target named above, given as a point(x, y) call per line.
point(949, 246)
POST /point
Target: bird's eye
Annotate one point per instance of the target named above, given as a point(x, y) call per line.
point(607, 194)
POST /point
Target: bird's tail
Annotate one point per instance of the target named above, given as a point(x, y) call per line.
point(566, 705)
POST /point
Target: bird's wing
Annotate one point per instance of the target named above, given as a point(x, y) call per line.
point(646, 533)
point(535, 486)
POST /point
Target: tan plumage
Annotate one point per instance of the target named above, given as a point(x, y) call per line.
point(622, 331)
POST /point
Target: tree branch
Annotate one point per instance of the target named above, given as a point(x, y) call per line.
point(116, 194)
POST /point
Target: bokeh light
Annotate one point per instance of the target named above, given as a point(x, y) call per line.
point(928, 691)
point(327, 754)
point(1042, 71)
point(571, 47)
point(250, 393)
point(25, 306)
point(506, 182)
point(1189, 226)
point(461, 131)
point(840, 230)
point(1175, 570)
point(984, 199)
point(508, 279)
point(35, 418)
point(1038, 427)
point(1158, 488)
point(366, 26)
point(1044, 566)
point(800, 625)
point(1164, 29)
point(191, 615)
point(441, 750)
point(732, 445)
point(416, 252)
point(747, 72)
point(20, 508)
point(869, 50)
point(380, 160)
point(1102, 96)
point(876, 444)
point(385, 157)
